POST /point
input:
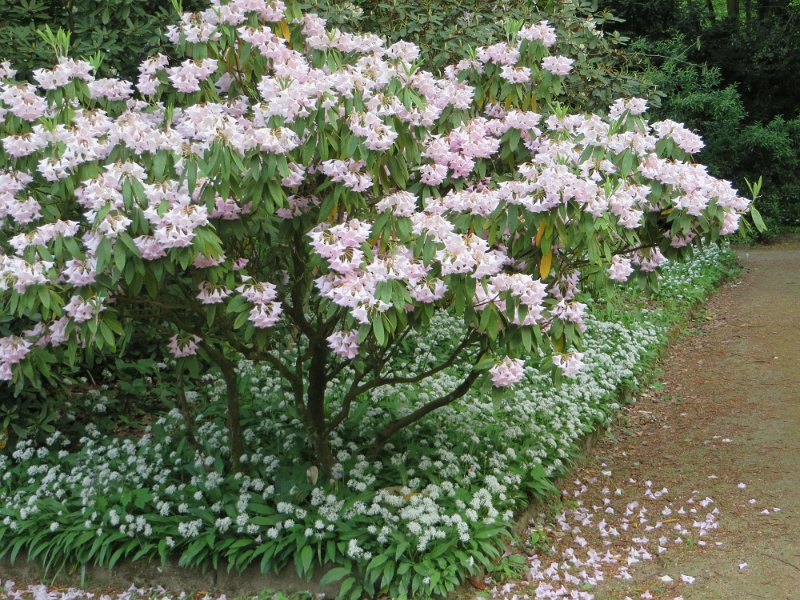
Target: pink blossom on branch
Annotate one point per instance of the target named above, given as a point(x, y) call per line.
point(570, 364)
point(345, 344)
point(507, 372)
point(620, 269)
point(557, 65)
point(182, 346)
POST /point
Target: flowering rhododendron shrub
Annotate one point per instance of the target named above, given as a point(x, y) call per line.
point(306, 198)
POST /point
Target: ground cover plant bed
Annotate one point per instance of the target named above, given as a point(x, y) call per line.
point(438, 510)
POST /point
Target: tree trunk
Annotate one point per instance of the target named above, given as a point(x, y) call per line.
point(391, 428)
point(712, 14)
point(733, 10)
point(186, 412)
point(234, 419)
point(232, 395)
point(769, 8)
point(315, 403)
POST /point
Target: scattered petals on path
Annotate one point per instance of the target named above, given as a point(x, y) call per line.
point(593, 541)
point(10, 591)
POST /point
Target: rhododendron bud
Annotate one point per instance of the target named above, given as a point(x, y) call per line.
point(183, 345)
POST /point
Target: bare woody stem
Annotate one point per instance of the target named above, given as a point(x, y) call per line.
point(392, 428)
point(356, 389)
point(234, 420)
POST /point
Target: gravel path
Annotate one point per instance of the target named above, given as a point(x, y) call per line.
point(728, 416)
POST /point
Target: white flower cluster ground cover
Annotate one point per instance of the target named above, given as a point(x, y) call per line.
point(427, 513)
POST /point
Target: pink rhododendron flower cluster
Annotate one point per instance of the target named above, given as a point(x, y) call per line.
point(13, 350)
point(620, 268)
point(344, 344)
point(183, 346)
point(507, 372)
point(187, 76)
point(557, 65)
point(541, 31)
point(570, 363)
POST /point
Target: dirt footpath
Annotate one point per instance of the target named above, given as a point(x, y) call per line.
point(726, 425)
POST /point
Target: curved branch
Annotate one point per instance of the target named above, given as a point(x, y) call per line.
point(391, 428)
point(356, 389)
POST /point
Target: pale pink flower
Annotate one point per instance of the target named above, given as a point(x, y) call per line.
point(24, 145)
point(344, 344)
point(620, 268)
point(541, 32)
point(187, 76)
point(570, 364)
point(183, 345)
point(23, 102)
point(515, 74)
point(687, 140)
point(13, 349)
point(649, 259)
point(211, 293)
point(405, 51)
point(6, 72)
point(82, 310)
point(427, 291)
point(433, 174)
point(402, 204)
point(111, 89)
point(507, 372)
point(201, 261)
point(730, 223)
point(80, 272)
point(265, 315)
point(258, 292)
point(557, 65)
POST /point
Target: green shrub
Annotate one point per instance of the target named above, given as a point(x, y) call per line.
point(123, 31)
point(447, 32)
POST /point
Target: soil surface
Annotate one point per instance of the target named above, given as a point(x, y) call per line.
point(722, 421)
